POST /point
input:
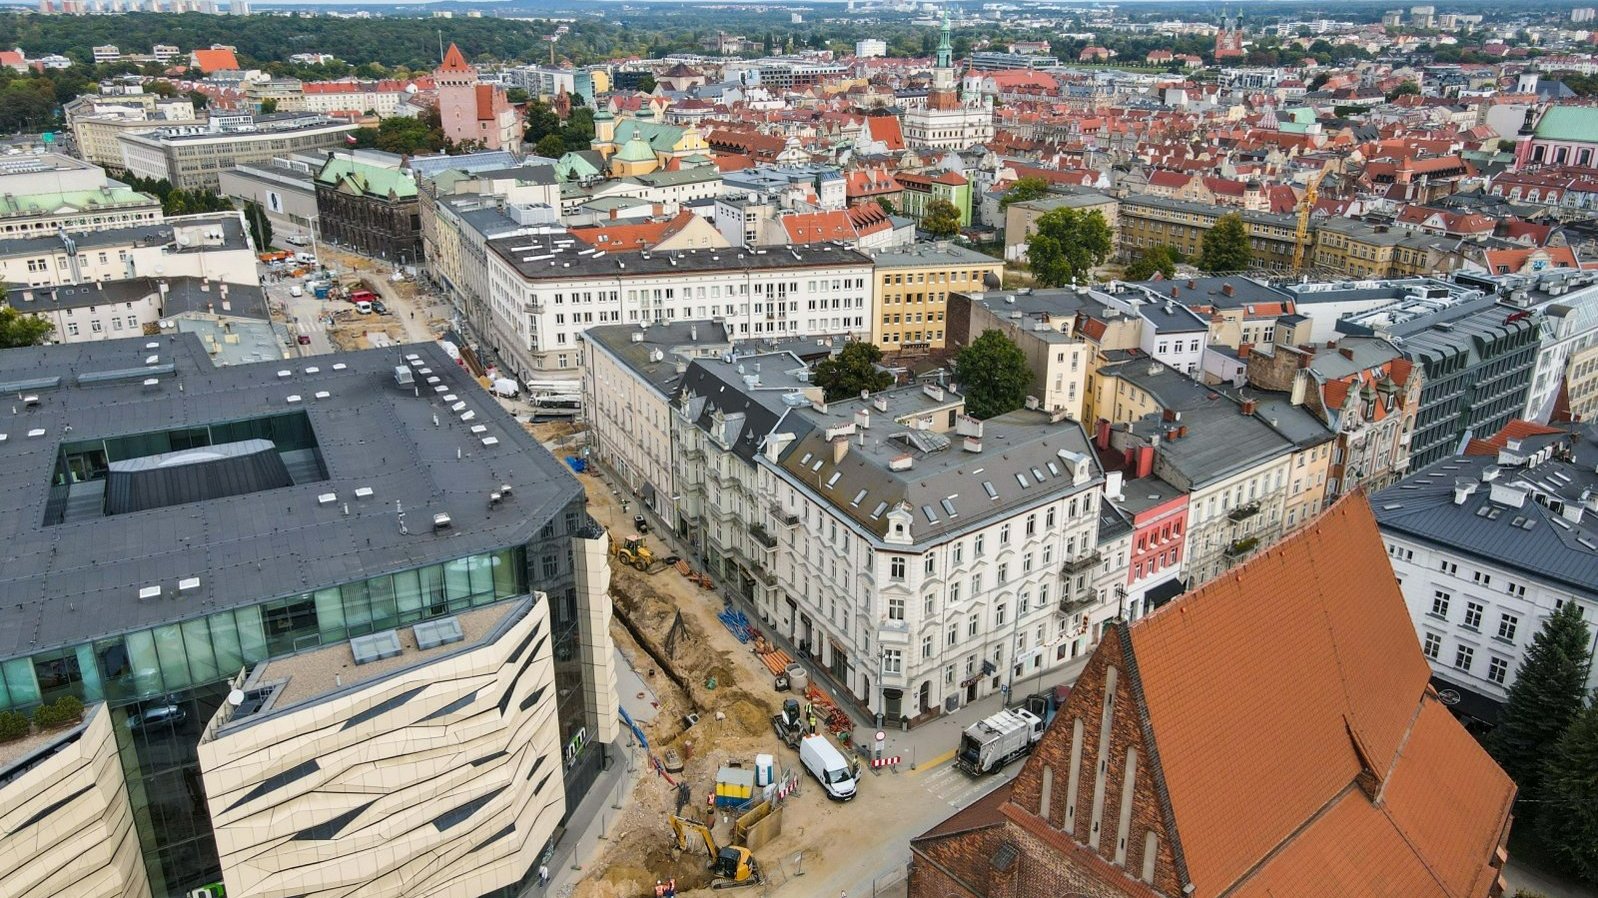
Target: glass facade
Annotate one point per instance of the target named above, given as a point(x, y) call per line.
point(165, 683)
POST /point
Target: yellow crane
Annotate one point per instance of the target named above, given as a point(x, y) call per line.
point(1306, 205)
point(734, 865)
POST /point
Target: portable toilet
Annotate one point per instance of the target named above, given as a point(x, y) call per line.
point(765, 770)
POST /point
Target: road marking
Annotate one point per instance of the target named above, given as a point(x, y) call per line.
point(924, 766)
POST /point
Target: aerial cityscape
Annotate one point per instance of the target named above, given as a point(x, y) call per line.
point(873, 448)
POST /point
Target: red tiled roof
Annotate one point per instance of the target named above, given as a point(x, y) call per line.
point(209, 61)
point(1514, 430)
point(1286, 680)
point(818, 227)
point(886, 129)
point(455, 62)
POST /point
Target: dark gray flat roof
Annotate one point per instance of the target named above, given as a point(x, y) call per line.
point(80, 579)
point(560, 256)
point(155, 234)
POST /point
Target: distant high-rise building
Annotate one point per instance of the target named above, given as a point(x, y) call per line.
point(1584, 14)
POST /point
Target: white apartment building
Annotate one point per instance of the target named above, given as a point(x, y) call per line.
point(630, 375)
point(544, 290)
point(916, 562)
point(1486, 546)
point(211, 245)
point(901, 601)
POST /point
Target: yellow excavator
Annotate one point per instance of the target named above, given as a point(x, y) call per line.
point(1306, 207)
point(733, 865)
point(634, 553)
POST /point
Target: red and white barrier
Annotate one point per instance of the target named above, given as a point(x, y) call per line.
point(886, 762)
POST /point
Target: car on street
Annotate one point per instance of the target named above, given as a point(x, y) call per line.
point(305, 339)
point(296, 290)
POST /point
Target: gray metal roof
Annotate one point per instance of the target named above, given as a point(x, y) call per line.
point(1530, 537)
point(1211, 292)
point(154, 234)
point(1024, 460)
point(69, 582)
point(1220, 440)
point(677, 342)
point(720, 398)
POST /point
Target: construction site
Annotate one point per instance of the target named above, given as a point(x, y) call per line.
point(713, 750)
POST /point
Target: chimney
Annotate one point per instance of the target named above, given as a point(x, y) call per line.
point(840, 448)
point(1145, 461)
point(1243, 350)
point(1168, 414)
point(1191, 285)
point(1228, 289)
point(1346, 352)
point(1249, 406)
point(1174, 291)
point(1101, 434)
point(1181, 432)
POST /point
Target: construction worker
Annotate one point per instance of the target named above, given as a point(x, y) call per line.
point(660, 889)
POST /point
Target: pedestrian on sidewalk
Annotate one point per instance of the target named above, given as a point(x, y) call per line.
point(543, 874)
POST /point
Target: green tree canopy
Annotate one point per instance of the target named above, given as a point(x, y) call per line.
point(541, 121)
point(1226, 247)
point(1022, 190)
point(1158, 259)
point(1406, 88)
point(1547, 695)
point(887, 205)
point(578, 132)
point(993, 375)
point(1568, 821)
point(551, 145)
point(17, 329)
point(1066, 245)
point(852, 370)
point(941, 219)
point(406, 136)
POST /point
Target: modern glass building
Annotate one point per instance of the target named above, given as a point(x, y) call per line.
point(172, 524)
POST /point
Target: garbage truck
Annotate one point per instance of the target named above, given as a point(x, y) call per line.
point(989, 744)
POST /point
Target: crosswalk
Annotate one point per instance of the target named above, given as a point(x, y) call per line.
point(957, 787)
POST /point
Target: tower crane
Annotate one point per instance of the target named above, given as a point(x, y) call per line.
point(1306, 205)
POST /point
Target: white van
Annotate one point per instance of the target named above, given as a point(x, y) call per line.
point(296, 291)
point(828, 766)
point(364, 307)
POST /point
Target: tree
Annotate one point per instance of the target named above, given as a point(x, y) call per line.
point(517, 95)
point(260, 225)
point(1066, 245)
point(646, 83)
point(1547, 695)
point(17, 329)
point(852, 371)
point(1146, 263)
point(1407, 88)
point(541, 121)
point(268, 107)
point(551, 145)
point(993, 375)
point(1569, 826)
point(941, 219)
point(1023, 190)
point(1226, 246)
point(199, 100)
point(578, 133)
point(887, 205)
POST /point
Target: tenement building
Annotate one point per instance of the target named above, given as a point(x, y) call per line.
point(341, 627)
point(1486, 545)
point(1272, 733)
point(922, 558)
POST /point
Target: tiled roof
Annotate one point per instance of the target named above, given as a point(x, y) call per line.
point(1282, 681)
point(1514, 430)
point(455, 62)
point(210, 61)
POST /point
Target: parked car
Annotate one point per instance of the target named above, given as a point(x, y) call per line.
point(364, 307)
point(165, 715)
point(298, 240)
point(378, 307)
point(305, 339)
point(296, 291)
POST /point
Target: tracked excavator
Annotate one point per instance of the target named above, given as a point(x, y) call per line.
point(733, 865)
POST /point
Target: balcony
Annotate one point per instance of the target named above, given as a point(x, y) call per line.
point(1243, 512)
point(1242, 547)
point(1081, 563)
point(758, 531)
point(693, 454)
point(785, 517)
